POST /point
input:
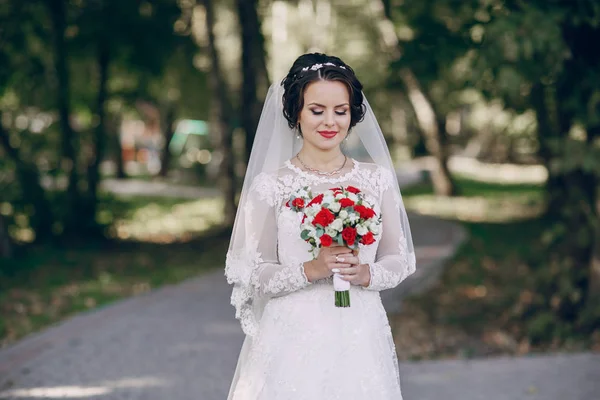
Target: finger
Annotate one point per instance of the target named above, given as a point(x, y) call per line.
point(348, 271)
point(337, 267)
point(340, 250)
point(351, 260)
point(339, 258)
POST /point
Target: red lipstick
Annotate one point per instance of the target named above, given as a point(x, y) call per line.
point(327, 134)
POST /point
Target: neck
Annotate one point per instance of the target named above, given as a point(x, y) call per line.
point(322, 160)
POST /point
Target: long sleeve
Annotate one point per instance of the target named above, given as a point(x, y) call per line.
point(269, 277)
point(393, 262)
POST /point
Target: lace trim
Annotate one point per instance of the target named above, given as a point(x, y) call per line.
point(383, 278)
point(317, 178)
point(287, 279)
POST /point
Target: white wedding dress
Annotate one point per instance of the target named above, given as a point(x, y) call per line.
point(299, 346)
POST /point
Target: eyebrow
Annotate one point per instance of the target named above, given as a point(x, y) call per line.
point(321, 105)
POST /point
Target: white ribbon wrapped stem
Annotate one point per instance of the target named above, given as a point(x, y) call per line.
point(339, 284)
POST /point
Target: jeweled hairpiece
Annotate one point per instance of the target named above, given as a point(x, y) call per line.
point(315, 67)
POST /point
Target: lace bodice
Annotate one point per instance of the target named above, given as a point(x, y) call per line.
point(275, 253)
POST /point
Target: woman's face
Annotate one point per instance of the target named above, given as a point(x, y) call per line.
point(325, 117)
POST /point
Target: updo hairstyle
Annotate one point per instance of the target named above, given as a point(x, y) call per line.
point(318, 67)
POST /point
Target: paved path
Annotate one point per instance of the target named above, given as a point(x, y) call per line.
point(181, 342)
point(178, 342)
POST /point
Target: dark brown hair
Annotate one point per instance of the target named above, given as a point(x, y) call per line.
point(297, 80)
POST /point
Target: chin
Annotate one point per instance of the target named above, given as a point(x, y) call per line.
point(328, 146)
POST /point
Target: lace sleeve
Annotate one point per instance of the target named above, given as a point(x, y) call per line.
point(393, 263)
point(270, 277)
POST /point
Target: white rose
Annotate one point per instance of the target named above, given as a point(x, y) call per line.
point(330, 231)
point(313, 210)
point(335, 207)
point(337, 224)
point(312, 232)
point(353, 217)
point(328, 198)
point(361, 229)
point(343, 214)
point(374, 228)
point(353, 197)
point(339, 195)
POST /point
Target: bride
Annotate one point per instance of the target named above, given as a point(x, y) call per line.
point(316, 130)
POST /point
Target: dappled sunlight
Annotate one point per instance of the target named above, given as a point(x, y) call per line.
point(499, 208)
point(498, 173)
point(80, 391)
point(153, 223)
point(58, 392)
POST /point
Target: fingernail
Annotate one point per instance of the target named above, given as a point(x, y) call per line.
point(336, 270)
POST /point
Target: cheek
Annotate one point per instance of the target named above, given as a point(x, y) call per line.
point(344, 120)
point(307, 118)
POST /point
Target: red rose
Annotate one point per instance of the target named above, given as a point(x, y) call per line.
point(323, 218)
point(349, 235)
point(364, 212)
point(298, 202)
point(352, 189)
point(316, 200)
point(368, 238)
point(326, 240)
point(345, 202)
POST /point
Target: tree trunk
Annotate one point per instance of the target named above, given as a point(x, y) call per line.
point(430, 123)
point(572, 206)
point(433, 129)
point(116, 137)
point(222, 112)
point(58, 13)
point(254, 70)
point(5, 242)
point(169, 130)
point(42, 219)
point(103, 61)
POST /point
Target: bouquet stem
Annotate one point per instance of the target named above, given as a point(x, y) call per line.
point(342, 291)
point(342, 298)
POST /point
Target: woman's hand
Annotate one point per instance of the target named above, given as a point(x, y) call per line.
point(357, 274)
point(326, 263)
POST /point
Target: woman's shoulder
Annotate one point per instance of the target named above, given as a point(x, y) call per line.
point(378, 175)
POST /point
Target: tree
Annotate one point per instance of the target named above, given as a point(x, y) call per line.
point(254, 69)
point(222, 112)
point(540, 54)
point(54, 49)
point(431, 121)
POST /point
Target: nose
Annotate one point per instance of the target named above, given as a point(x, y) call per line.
point(329, 119)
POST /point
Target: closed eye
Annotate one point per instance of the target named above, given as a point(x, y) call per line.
point(321, 112)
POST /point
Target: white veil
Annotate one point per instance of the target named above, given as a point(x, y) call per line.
point(275, 143)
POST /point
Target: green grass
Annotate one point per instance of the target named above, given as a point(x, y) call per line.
point(475, 309)
point(168, 240)
point(478, 201)
point(471, 188)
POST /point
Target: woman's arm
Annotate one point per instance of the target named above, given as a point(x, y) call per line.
point(269, 277)
point(393, 263)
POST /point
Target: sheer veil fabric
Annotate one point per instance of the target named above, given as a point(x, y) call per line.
point(275, 143)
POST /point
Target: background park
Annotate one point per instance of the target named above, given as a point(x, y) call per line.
point(125, 128)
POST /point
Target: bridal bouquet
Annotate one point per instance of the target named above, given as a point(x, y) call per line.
point(341, 215)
